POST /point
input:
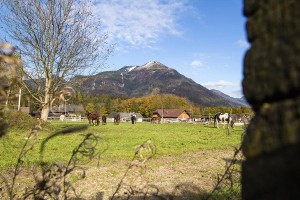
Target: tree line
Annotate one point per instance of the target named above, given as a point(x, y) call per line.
point(106, 104)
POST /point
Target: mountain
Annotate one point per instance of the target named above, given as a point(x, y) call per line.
point(241, 100)
point(150, 78)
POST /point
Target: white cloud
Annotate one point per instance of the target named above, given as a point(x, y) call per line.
point(242, 43)
point(236, 93)
point(230, 88)
point(196, 63)
point(220, 84)
point(139, 23)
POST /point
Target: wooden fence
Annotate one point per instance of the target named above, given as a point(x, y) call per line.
point(68, 118)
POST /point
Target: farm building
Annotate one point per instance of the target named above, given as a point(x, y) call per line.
point(125, 117)
point(172, 115)
point(68, 108)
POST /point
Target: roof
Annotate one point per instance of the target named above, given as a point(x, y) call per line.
point(69, 108)
point(170, 112)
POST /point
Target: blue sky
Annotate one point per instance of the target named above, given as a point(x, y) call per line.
point(204, 40)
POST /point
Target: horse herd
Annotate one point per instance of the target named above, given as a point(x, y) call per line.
point(94, 119)
point(224, 118)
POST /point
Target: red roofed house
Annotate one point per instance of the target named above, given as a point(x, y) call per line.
point(172, 115)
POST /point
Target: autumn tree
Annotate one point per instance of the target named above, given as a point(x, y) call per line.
point(56, 40)
point(90, 108)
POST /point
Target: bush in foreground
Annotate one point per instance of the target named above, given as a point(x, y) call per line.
point(21, 121)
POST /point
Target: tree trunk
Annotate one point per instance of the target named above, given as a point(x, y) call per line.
point(45, 112)
point(47, 100)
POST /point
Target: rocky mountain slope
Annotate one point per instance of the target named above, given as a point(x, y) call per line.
point(241, 100)
point(151, 78)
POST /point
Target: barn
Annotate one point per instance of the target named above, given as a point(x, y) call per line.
point(172, 115)
point(125, 117)
point(68, 108)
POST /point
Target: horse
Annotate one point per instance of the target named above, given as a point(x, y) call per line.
point(240, 118)
point(117, 119)
point(93, 117)
point(155, 119)
point(223, 118)
point(133, 119)
point(103, 120)
point(246, 119)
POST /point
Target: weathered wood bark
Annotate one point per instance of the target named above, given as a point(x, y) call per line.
point(272, 86)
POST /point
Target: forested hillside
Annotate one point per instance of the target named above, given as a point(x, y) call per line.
point(105, 104)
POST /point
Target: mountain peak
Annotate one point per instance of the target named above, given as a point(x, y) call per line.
point(148, 66)
point(153, 65)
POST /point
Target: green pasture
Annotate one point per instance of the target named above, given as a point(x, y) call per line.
point(116, 142)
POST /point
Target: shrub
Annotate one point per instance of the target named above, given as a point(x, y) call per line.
point(20, 120)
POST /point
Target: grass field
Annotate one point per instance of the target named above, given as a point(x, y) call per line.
point(188, 156)
point(119, 141)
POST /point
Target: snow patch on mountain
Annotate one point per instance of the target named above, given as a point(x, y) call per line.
point(131, 68)
point(122, 84)
point(151, 65)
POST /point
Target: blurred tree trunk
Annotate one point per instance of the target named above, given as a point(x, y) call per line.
point(271, 85)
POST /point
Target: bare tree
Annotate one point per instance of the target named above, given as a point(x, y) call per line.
point(57, 39)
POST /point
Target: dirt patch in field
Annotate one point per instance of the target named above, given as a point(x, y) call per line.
point(179, 177)
point(191, 173)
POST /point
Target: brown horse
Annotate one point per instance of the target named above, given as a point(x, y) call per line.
point(155, 119)
point(117, 119)
point(93, 117)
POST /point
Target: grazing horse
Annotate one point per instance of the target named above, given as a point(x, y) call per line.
point(246, 119)
point(93, 117)
point(133, 119)
point(103, 120)
point(117, 119)
point(223, 118)
point(155, 119)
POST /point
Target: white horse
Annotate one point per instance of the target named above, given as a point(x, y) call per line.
point(225, 117)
